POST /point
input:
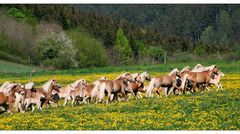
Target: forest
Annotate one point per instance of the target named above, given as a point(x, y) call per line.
point(80, 36)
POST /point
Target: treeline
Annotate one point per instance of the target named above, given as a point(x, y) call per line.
point(140, 34)
point(199, 28)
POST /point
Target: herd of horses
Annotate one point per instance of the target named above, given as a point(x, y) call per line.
point(18, 97)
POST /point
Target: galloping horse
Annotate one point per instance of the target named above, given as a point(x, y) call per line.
point(65, 92)
point(168, 81)
point(114, 87)
point(12, 98)
point(42, 95)
point(198, 78)
point(216, 81)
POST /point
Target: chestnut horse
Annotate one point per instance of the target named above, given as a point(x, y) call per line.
point(42, 95)
point(109, 87)
point(197, 78)
point(12, 98)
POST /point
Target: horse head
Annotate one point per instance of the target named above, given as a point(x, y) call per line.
point(138, 78)
point(146, 75)
point(18, 88)
point(175, 72)
point(215, 69)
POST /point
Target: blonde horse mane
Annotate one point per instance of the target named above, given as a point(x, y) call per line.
point(122, 75)
point(47, 86)
point(173, 71)
point(4, 85)
point(197, 66)
point(185, 69)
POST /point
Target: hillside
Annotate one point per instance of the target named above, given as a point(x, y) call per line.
point(81, 36)
point(11, 67)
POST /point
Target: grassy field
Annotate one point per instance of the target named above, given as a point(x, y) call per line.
point(208, 111)
point(7, 67)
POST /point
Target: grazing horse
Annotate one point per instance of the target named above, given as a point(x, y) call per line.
point(168, 81)
point(12, 98)
point(42, 95)
point(65, 92)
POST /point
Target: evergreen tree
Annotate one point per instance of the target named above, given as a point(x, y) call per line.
point(122, 45)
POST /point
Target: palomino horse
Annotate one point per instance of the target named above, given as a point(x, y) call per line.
point(112, 87)
point(200, 68)
point(65, 92)
point(96, 95)
point(197, 78)
point(12, 98)
point(168, 81)
point(42, 95)
point(89, 93)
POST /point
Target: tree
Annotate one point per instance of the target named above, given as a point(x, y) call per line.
point(56, 50)
point(156, 53)
point(208, 36)
point(122, 45)
point(224, 30)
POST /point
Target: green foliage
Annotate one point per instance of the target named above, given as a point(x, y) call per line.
point(224, 42)
point(90, 51)
point(56, 50)
point(208, 36)
point(16, 13)
point(122, 45)
point(157, 53)
point(21, 15)
point(200, 49)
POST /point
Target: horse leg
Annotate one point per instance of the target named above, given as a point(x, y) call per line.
point(124, 94)
point(157, 91)
point(139, 94)
point(193, 87)
point(220, 86)
point(33, 107)
point(132, 93)
point(27, 102)
point(73, 100)
point(170, 91)
point(108, 98)
point(39, 105)
point(150, 88)
point(66, 100)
